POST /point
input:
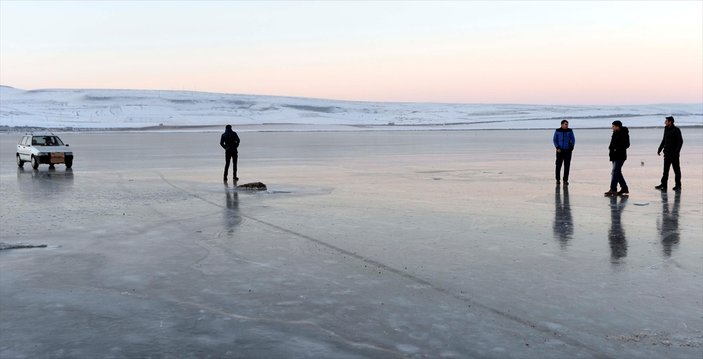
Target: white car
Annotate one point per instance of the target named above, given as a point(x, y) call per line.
point(43, 148)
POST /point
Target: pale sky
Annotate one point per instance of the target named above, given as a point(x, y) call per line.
point(552, 52)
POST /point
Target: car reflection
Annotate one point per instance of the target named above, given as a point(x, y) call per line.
point(616, 234)
point(563, 221)
point(668, 224)
point(44, 182)
point(231, 215)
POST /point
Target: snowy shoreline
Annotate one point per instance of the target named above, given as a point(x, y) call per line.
point(78, 110)
point(295, 128)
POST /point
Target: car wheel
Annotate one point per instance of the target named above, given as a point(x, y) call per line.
point(20, 163)
point(35, 163)
point(69, 163)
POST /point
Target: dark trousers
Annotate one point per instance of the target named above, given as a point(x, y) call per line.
point(563, 156)
point(671, 162)
point(616, 177)
point(231, 155)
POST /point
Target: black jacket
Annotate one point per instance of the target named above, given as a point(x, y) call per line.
point(672, 142)
point(229, 140)
point(619, 144)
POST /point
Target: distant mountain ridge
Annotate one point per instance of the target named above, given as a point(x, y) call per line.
point(119, 109)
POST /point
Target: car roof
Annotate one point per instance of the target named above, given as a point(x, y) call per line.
point(41, 134)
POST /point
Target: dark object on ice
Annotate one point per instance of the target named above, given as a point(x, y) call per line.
point(4, 246)
point(254, 186)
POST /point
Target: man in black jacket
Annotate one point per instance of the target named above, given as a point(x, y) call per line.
point(619, 143)
point(230, 142)
point(671, 144)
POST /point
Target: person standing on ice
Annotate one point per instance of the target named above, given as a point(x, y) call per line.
point(564, 142)
point(671, 144)
point(230, 142)
point(619, 143)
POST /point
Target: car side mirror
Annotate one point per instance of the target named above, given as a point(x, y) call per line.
point(67, 145)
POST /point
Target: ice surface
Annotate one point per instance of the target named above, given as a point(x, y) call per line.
point(366, 244)
point(79, 109)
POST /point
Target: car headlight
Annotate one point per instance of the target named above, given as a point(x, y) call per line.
point(42, 154)
point(68, 153)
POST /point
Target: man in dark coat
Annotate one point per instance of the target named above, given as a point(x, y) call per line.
point(671, 144)
point(230, 142)
point(564, 142)
point(619, 143)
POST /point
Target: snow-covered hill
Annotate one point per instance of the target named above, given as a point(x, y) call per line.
point(102, 109)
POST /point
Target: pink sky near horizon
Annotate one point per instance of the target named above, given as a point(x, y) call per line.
point(475, 52)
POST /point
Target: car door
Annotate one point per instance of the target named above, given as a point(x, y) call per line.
point(24, 148)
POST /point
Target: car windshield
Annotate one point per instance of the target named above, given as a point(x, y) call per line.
point(46, 141)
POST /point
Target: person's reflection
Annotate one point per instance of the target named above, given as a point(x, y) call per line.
point(231, 216)
point(669, 223)
point(616, 234)
point(563, 222)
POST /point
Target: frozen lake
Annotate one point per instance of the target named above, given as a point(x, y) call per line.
point(367, 245)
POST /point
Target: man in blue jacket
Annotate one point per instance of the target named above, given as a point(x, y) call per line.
point(564, 142)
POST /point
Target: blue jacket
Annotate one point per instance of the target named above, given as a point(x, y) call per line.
point(564, 139)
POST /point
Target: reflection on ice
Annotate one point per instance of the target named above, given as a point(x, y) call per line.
point(616, 234)
point(669, 223)
point(363, 258)
point(231, 214)
point(49, 181)
point(563, 222)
